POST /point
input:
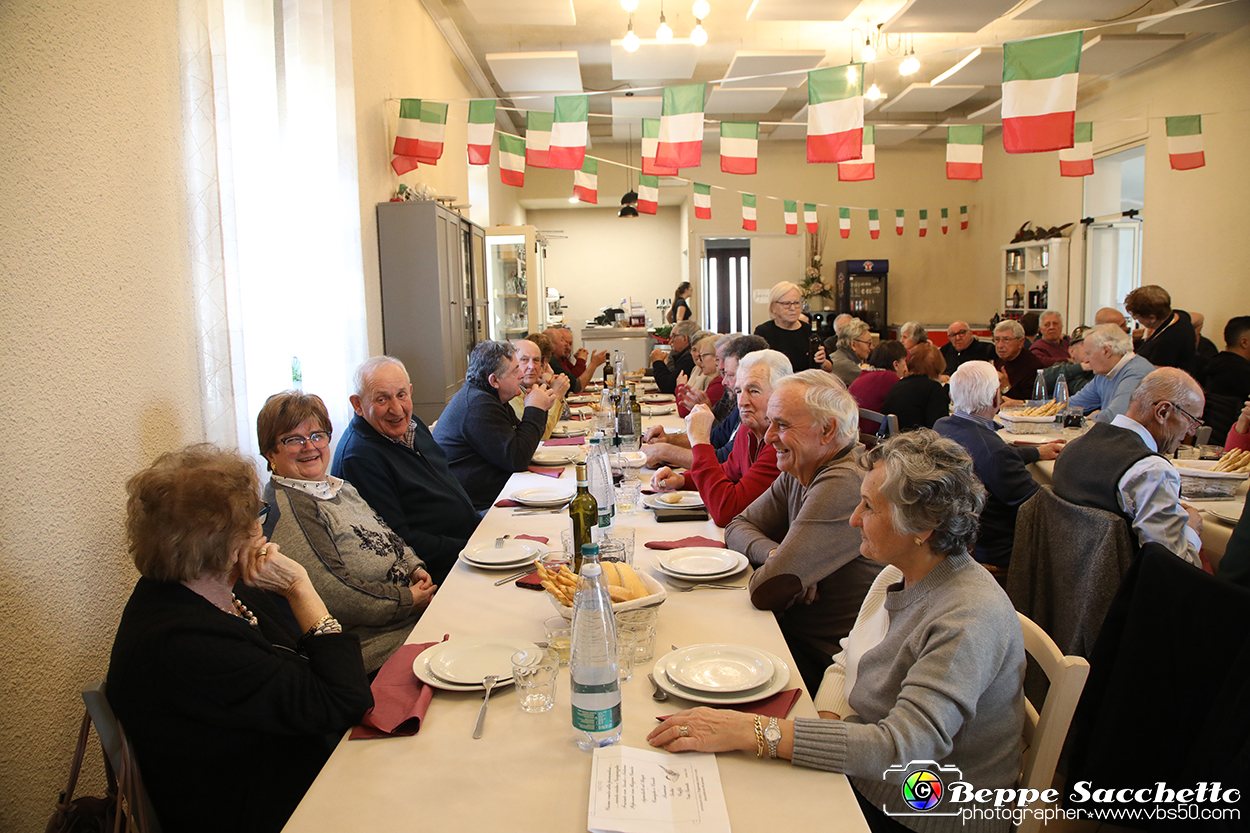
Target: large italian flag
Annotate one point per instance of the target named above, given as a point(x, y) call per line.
point(791, 212)
point(739, 146)
point(835, 114)
point(511, 160)
point(864, 168)
point(681, 127)
point(648, 194)
point(1078, 160)
point(406, 137)
point(538, 139)
point(965, 145)
point(844, 222)
point(898, 221)
point(481, 132)
point(568, 132)
point(874, 223)
point(651, 144)
point(809, 217)
point(748, 212)
point(1039, 93)
point(1185, 142)
point(924, 222)
point(702, 201)
point(431, 131)
point(586, 182)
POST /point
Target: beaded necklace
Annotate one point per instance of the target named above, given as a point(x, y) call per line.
point(241, 610)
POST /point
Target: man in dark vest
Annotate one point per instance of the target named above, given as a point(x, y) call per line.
point(1122, 466)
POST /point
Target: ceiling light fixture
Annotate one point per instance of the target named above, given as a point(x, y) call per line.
point(664, 33)
point(631, 196)
point(910, 65)
point(698, 35)
point(701, 9)
point(630, 41)
point(851, 74)
point(629, 5)
point(869, 54)
point(573, 200)
point(874, 93)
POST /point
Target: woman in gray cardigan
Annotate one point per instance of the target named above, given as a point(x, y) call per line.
point(932, 671)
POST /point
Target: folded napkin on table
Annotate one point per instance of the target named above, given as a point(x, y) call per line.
point(778, 705)
point(531, 582)
point(400, 700)
point(540, 539)
point(506, 502)
point(547, 472)
point(565, 441)
point(691, 541)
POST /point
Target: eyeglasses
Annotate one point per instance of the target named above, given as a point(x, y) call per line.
point(707, 355)
point(790, 304)
point(1005, 339)
point(319, 439)
point(1197, 423)
point(867, 341)
point(957, 334)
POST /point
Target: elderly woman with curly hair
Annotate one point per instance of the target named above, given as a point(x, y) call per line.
point(932, 670)
point(228, 708)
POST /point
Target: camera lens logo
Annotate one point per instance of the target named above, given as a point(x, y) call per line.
point(922, 790)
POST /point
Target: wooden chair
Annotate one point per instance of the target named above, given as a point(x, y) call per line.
point(121, 758)
point(1045, 733)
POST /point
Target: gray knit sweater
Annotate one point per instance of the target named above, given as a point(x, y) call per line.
point(943, 685)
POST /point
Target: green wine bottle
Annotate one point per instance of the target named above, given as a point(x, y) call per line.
point(584, 515)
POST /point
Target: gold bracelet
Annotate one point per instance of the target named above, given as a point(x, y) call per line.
point(759, 737)
point(320, 623)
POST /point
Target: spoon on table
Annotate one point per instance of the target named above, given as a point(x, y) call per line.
point(659, 694)
point(488, 682)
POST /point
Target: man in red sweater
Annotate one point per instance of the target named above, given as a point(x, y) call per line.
point(730, 487)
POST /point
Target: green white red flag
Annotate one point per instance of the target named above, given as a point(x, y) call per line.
point(945, 219)
point(511, 160)
point(431, 131)
point(586, 181)
point(702, 201)
point(1039, 93)
point(874, 223)
point(567, 150)
point(791, 211)
point(681, 127)
point(963, 218)
point(538, 138)
point(844, 222)
point(481, 132)
point(406, 137)
point(898, 221)
point(1185, 143)
point(651, 144)
point(648, 194)
point(739, 146)
point(1078, 160)
point(809, 217)
point(965, 145)
point(748, 212)
point(924, 222)
point(835, 114)
point(865, 168)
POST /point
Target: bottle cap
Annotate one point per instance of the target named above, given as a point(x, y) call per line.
point(590, 549)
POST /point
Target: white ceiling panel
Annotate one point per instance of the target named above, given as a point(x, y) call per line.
point(790, 131)
point(991, 114)
point(747, 64)
point(654, 60)
point(834, 10)
point(1078, 9)
point(896, 134)
point(535, 72)
point(1222, 18)
point(538, 101)
point(743, 100)
point(947, 15)
point(923, 98)
point(983, 66)
point(627, 114)
point(526, 13)
point(1113, 54)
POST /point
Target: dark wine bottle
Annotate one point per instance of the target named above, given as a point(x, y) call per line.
point(814, 343)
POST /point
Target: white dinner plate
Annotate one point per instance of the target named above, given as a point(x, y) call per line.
point(543, 497)
point(781, 676)
point(421, 668)
point(555, 456)
point(1228, 511)
point(733, 571)
point(514, 552)
point(719, 669)
point(701, 562)
point(659, 410)
point(581, 399)
point(657, 397)
point(565, 429)
point(689, 500)
point(467, 661)
point(582, 410)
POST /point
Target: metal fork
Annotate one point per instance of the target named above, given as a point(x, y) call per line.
point(488, 682)
point(687, 588)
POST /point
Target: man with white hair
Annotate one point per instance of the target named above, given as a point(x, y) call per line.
point(665, 369)
point(1017, 366)
point(529, 356)
point(809, 570)
point(1118, 371)
point(1051, 346)
point(1122, 466)
point(1000, 467)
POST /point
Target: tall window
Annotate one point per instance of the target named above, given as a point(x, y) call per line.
point(727, 285)
point(1113, 241)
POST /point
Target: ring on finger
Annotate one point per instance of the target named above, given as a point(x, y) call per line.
point(683, 731)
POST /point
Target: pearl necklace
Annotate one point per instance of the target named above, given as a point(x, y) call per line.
point(241, 610)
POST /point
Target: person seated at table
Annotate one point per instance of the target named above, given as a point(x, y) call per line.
point(706, 379)
point(229, 711)
point(1030, 322)
point(1111, 315)
point(785, 331)
point(581, 367)
point(481, 436)
point(533, 372)
point(1074, 370)
point(808, 569)
point(1051, 345)
point(1170, 341)
point(999, 467)
point(1117, 373)
point(911, 334)
point(1017, 365)
point(665, 368)
point(919, 399)
point(962, 346)
point(887, 364)
point(1204, 350)
point(391, 458)
point(1123, 466)
point(1239, 435)
point(1228, 374)
point(850, 350)
point(729, 488)
point(371, 581)
point(932, 671)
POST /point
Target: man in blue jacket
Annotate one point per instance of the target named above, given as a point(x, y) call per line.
point(1109, 353)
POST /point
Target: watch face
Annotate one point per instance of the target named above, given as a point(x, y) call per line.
point(773, 733)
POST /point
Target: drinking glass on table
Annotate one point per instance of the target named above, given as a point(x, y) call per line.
point(626, 653)
point(534, 673)
point(622, 535)
point(642, 623)
point(628, 497)
point(559, 633)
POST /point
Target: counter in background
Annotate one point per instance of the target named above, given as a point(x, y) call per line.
point(634, 342)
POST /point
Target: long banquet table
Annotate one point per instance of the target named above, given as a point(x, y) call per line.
point(527, 773)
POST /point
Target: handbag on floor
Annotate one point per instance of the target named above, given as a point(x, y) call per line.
point(87, 814)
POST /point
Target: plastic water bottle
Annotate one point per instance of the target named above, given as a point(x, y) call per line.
point(1039, 387)
point(596, 689)
point(599, 474)
point(606, 417)
point(1061, 392)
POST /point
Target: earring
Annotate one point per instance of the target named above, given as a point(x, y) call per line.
point(919, 541)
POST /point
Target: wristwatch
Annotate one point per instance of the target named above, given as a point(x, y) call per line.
point(772, 735)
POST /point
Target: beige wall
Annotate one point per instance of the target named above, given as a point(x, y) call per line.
point(98, 371)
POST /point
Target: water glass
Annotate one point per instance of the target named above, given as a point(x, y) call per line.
point(641, 622)
point(624, 536)
point(534, 674)
point(626, 653)
point(559, 633)
point(628, 497)
point(612, 549)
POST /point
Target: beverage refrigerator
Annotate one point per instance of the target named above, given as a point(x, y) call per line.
point(862, 292)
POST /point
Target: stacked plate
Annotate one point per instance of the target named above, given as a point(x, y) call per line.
point(554, 456)
point(700, 563)
point(1227, 511)
point(685, 500)
point(568, 429)
point(462, 664)
point(512, 554)
point(542, 497)
point(721, 674)
point(656, 397)
point(658, 410)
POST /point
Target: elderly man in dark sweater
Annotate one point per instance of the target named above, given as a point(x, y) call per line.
point(480, 433)
point(666, 369)
point(1017, 365)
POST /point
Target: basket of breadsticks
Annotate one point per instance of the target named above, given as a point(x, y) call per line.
point(1037, 419)
point(1214, 478)
point(629, 589)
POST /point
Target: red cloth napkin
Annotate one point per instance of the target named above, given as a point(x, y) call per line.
point(400, 700)
point(540, 539)
point(692, 541)
point(547, 472)
point(779, 705)
point(506, 502)
point(566, 441)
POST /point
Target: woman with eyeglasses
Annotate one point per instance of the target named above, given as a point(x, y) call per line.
point(786, 332)
point(371, 581)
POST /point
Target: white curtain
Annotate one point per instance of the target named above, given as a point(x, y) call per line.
point(269, 119)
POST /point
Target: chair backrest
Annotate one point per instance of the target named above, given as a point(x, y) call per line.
point(1045, 733)
point(888, 422)
point(121, 758)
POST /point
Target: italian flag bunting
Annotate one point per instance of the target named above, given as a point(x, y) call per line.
point(844, 222)
point(431, 131)
point(648, 194)
point(924, 222)
point(748, 212)
point(511, 160)
point(702, 201)
point(739, 146)
point(963, 218)
point(865, 168)
point(481, 130)
point(650, 144)
point(874, 223)
point(1039, 93)
point(791, 211)
point(945, 219)
point(681, 127)
point(809, 217)
point(965, 145)
point(898, 221)
point(586, 182)
point(1185, 142)
point(406, 138)
point(1078, 160)
point(538, 139)
point(835, 114)
point(568, 132)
